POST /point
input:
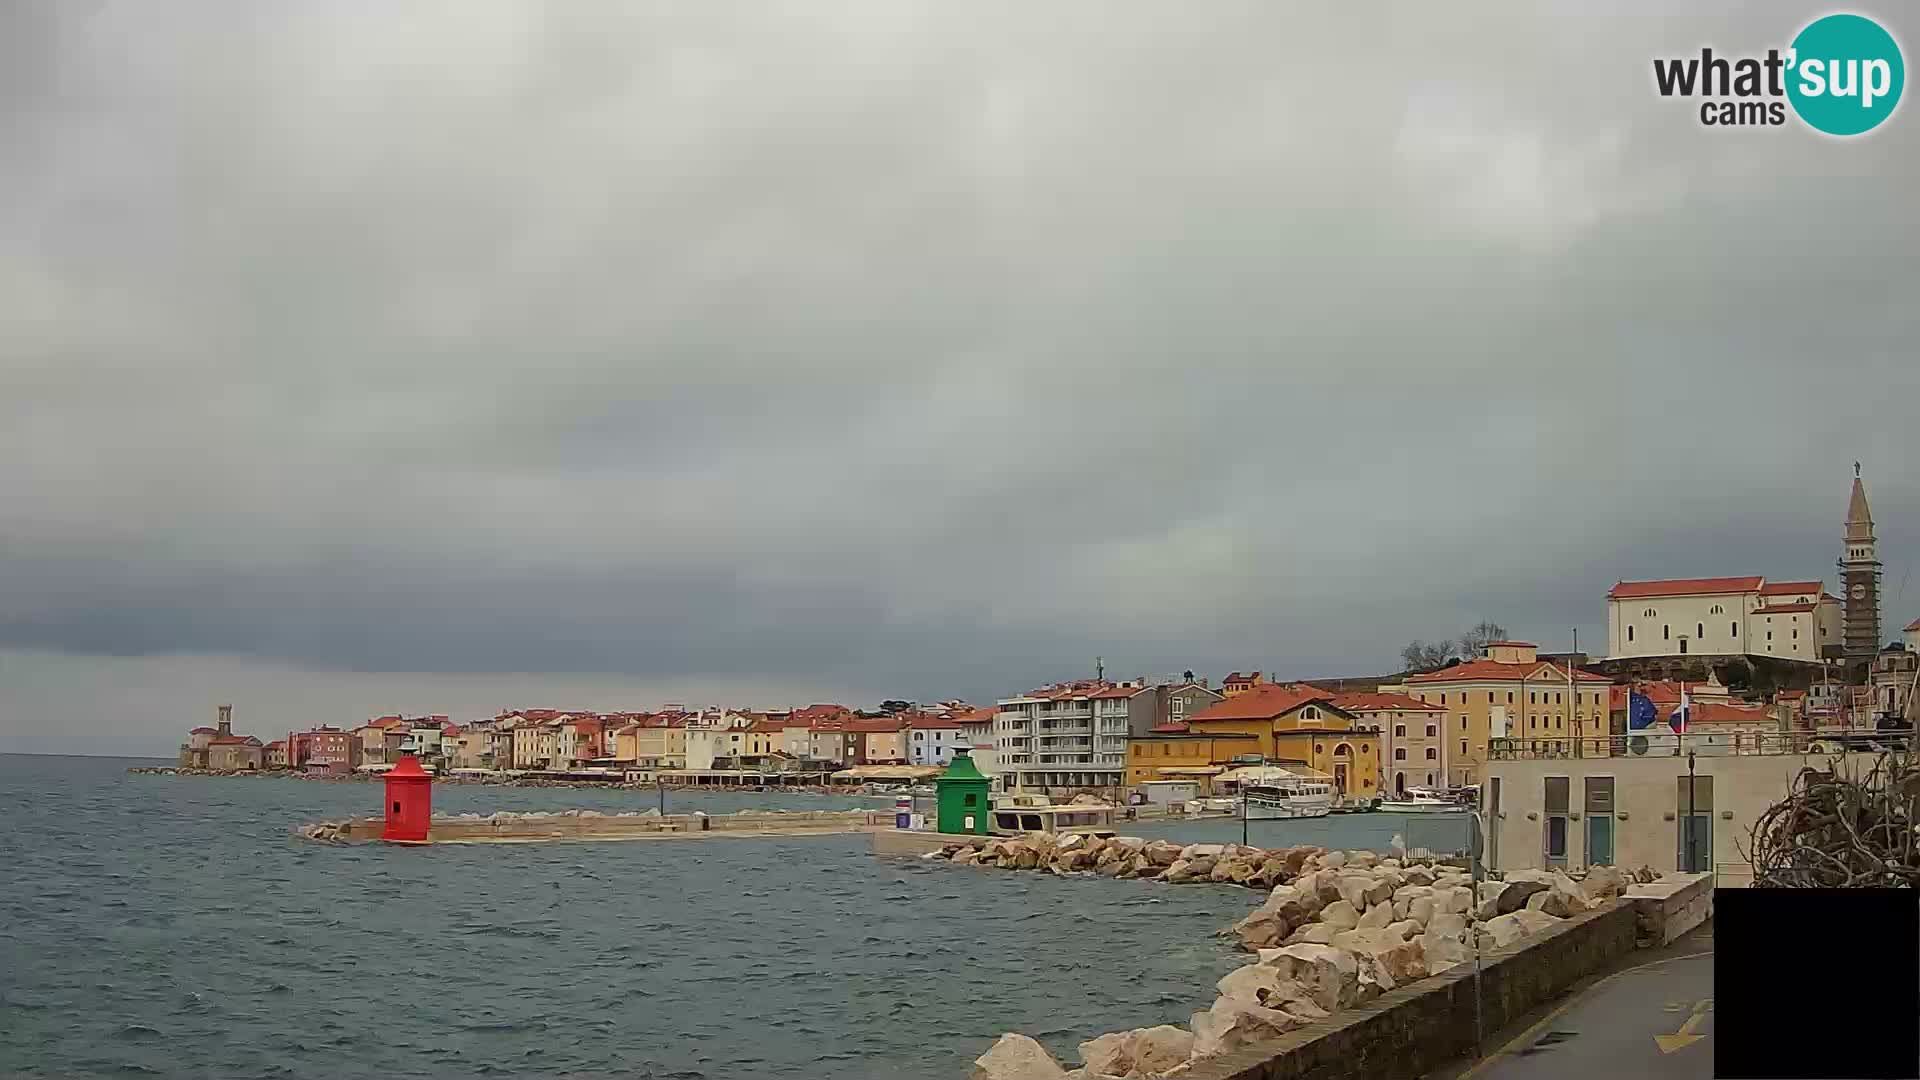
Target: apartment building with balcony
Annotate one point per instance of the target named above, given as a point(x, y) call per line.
point(1071, 735)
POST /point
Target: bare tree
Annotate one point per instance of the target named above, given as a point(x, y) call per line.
point(1475, 640)
point(1426, 655)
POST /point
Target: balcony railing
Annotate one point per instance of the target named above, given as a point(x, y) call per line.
point(1701, 744)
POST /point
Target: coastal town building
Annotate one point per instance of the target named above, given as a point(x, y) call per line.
point(1667, 809)
point(1726, 616)
point(1412, 746)
point(1176, 754)
point(380, 740)
point(1236, 684)
point(322, 750)
point(1891, 680)
point(1508, 691)
point(274, 754)
point(878, 740)
point(932, 740)
point(1069, 735)
point(976, 732)
point(1299, 723)
point(235, 753)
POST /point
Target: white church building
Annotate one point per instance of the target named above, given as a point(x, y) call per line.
point(1730, 616)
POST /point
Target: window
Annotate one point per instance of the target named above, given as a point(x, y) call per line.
point(1700, 630)
point(1769, 635)
point(1309, 713)
point(1509, 697)
point(1796, 635)
point(1463, 748)
point(1463, 723)
point(1399, 731)
point(1432, 754)
point(1651, 612)
point(1733, 629)
point(1557, 701)
point(919, 736)
point(1714, 610)
point(1399, 753)
point(1489, 697)
point(1666, 632)
point(1629, 633)
point(1343, 750)
point(1533, 698)
point(1432, 730)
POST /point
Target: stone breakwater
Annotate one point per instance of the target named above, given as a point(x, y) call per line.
point(1337, 929)
point(596, 825)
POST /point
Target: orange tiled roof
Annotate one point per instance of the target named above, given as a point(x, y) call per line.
point(1266, 701)
point(1716, 713)
point(1912, 626)
point(1789, 588)
point(1633, 590)
point(1483, 670)
point(1375, 702)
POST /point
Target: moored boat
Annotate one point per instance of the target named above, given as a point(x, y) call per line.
point(1425, 800)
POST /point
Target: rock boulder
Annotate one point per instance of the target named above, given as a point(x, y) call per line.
point(1329, 976)
point(1340, 915)
point(1141, 1052)
point(1016, 1057)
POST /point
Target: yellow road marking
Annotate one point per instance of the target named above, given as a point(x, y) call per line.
point(1533, 1032)
point(1686, 1036)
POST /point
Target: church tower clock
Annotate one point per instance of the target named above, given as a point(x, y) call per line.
point(1860, 579)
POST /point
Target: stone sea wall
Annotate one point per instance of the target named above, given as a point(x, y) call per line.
point(1337, 930)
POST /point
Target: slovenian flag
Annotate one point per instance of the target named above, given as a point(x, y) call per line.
point(1640, 711)
point(1678, 721)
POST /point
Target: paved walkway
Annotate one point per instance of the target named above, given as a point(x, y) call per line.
point(1653, 1021)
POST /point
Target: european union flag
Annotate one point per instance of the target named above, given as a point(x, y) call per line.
point(1640, 711)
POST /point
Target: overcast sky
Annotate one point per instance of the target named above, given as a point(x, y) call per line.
point(356, 353)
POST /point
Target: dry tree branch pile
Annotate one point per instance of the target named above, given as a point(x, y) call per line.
point(1839, 831)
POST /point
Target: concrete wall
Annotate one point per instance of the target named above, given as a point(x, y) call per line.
point(1671, 906)
point(1412, 1031)
point(1646, 805)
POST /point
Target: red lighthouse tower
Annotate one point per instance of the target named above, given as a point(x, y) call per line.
point(409, 802)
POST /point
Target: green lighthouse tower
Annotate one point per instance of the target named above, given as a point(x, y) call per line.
point(960, 797)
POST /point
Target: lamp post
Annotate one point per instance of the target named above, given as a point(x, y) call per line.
point(1692, 807)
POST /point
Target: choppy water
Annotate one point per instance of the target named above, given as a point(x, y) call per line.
point(170, 926)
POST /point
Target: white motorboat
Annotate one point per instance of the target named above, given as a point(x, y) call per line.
point(1424, 800)
point(1288, 796)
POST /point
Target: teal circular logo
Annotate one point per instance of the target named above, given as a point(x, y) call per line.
point(1845, 74)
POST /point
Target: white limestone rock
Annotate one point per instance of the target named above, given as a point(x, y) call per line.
point(1137, 1053)
point(1017, 1057)
point(1341, 915)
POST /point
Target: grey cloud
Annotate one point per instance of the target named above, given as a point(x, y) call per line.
point(910, 347)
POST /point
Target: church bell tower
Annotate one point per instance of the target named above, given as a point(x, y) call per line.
point(1860, 579)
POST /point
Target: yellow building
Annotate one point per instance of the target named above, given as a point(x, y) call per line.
point(1300, 723)
point(1509, 692)
point(763, 738)
point(1174, 752)
point(662, 747)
